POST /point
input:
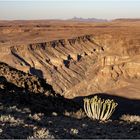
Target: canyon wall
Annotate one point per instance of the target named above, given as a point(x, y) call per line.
point(79, 66)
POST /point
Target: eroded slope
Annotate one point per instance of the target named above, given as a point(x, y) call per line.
point(81, 65)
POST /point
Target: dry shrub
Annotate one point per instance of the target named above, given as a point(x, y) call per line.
point(99, 109)
point(130, 118)
point(41, 134)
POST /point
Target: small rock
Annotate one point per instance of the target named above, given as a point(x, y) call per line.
point(1, 130)
point(54, 114)
point(84, 125)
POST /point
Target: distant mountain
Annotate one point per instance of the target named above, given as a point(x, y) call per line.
point(127, 19)
point(88, 19)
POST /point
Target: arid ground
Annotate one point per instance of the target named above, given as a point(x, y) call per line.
point(48, 67)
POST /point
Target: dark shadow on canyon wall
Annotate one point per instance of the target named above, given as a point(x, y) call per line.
point(47, 102)
point(36, 72)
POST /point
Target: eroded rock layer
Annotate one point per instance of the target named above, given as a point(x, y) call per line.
point(81, 65)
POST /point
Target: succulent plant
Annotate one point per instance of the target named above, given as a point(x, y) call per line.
point(99, 109)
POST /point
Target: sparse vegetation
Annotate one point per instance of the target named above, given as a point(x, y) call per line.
point(41, 134)
point(21, 121)
point(130, 118)
point(99, 109)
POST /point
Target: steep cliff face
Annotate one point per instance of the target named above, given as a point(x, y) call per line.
point(81, 65)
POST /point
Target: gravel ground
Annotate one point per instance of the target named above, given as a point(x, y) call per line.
point(21, 117)
point(19, 121)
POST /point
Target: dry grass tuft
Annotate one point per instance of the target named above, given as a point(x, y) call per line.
point(130, 118)
point(41, 134)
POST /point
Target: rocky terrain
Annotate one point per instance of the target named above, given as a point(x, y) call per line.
point(47, 68)
point(27, 112)
point(81, 65)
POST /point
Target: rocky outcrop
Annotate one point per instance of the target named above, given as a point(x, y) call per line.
point(22, 80)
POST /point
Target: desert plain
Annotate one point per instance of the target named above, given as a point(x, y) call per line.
point(47, 68)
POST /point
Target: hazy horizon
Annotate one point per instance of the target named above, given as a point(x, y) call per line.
point(67, 9)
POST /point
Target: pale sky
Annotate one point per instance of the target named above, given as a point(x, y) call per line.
point(65, 9)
